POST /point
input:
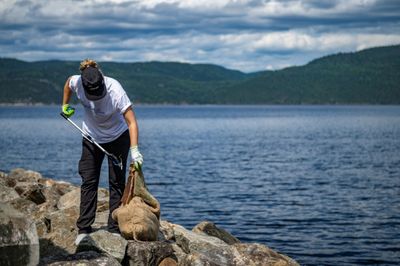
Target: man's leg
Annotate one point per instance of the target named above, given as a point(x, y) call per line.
point(120, 148)
point(89, 169)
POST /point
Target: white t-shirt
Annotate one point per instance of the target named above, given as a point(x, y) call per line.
point(103, 119)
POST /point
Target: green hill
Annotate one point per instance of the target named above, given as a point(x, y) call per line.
point(369, 76)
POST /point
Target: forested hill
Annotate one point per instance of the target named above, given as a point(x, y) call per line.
point(369, 76)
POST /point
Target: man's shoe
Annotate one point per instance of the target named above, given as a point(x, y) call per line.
point(79, 238)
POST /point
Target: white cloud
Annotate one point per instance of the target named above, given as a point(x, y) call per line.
point(241, 34)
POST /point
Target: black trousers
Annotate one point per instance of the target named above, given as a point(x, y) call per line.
point(89, 169)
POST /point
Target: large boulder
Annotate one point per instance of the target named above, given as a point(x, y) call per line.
point(257, 254)
point(7, 193)
point(19, 243)
point(211, 229)
point(22, 175)
point(141, 253)
point(213, 249)
point(88, 258)
point(62, 231)
point(24, 206)
point(73, 198)
point(104, 242)
point(202, 249)
point(32, 191)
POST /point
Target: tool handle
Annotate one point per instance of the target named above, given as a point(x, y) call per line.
point(63, 115)
point(114, 159)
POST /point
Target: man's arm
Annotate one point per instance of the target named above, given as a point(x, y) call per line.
point(66, 109)
point(67, 92)
point(130, 119)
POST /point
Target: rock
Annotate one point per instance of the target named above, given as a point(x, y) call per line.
point(257, 254)
point(31, 191)
point(73, 198)
point(25, 206)
point(209, 250)
point(88, 258)
point(167, 230)
point(105, 242)
point(62, 231)
point(7, 193)
point(197, 259)
point(22, 175)
point(212, 248)
point(3, 178)
point(147, 253)
point(61, 187)
point(2, 175)
point(212, 230)
point(19, 243)
point(101, 220)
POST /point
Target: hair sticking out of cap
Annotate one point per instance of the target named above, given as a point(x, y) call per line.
point(88, 63)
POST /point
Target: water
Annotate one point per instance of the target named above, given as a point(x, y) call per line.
point(318, 183)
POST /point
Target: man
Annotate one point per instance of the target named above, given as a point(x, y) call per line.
point(110, 120)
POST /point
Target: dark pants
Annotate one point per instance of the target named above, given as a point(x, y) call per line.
point(89, 169)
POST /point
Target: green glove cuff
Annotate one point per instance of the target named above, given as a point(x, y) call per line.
point(68, 110)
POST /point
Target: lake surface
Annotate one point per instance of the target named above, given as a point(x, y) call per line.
point(318, 183)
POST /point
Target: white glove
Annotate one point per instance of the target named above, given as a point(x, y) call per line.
point(136, 156)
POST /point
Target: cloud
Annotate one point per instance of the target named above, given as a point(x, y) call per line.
point(248, 35)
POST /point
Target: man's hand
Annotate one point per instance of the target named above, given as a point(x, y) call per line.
point(136, 156)
point(68, 110)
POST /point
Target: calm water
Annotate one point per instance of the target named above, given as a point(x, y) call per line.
point(319, 183)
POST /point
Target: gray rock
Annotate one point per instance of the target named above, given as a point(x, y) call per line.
point(197, 259)
point(212, 248)
point(22, 175)
point(101, 220)
point(19, 243)
point(3, 177)
point(73, 198)
point(31, 191)
point(105, 242)
point(62, 231)
point(257, 254)
point(7, 193)
point(25, 206)
point(167, 230)
point(212, 230)
point(202, 249)
point(88, 258)
point(178, 252)
point(60, 187)
point(148, 253)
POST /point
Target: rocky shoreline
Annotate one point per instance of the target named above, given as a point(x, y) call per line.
point(37, 222)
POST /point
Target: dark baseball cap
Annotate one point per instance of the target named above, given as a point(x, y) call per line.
point(93, 83)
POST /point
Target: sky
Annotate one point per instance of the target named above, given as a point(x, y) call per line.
point(246, 35)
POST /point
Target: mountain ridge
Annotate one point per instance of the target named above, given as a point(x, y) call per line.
point(370, 76)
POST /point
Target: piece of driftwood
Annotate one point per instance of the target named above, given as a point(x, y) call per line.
point(139, 213)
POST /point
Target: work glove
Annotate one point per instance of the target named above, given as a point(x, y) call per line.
point(68, 110)
point(136, 156)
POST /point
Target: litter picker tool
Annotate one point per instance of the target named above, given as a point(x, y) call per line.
point(115, 160)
